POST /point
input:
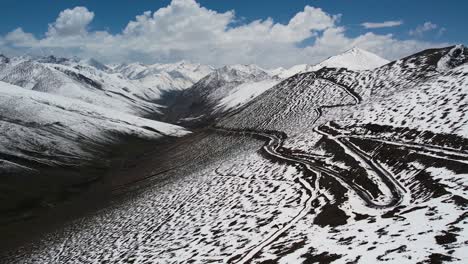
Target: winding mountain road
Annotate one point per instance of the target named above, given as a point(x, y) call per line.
point(275, 151)
point(423, 149)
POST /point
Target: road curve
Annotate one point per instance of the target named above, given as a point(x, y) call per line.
point(274, 149)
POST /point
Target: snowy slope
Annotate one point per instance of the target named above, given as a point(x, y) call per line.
point(405, 121)
point(57, 127)
point(231, 87)
point(438, 105)
point(223, 90)
point(77, 80)
point(155, 79)
point(354, 59)
point(130, 88)
point(242, 94)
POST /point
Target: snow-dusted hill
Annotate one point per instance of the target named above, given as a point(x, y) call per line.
point(354, 59)
point(52, 129)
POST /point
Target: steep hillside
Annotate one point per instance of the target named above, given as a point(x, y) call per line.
point(225, 89)
point(50, 143)
point(35, 122)
point(393, 138)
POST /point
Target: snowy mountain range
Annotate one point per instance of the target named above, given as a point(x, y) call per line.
point(130, 88)
point(157, 78)
point(231, 87)
point(224, 89)
point(352, 160)
point(34, 122)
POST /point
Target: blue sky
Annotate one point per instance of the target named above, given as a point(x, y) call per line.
point(420, 23)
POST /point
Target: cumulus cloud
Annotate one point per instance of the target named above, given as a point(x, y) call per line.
point(186, 30)
point(71, 22)
point(421, 29)
point(18, 37)
point(385, 24)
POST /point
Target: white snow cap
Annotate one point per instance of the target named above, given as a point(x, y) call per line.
point(355, 59)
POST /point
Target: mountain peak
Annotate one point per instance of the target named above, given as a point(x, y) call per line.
point(240, 71)
point(241, 67)
point(355, 49)
point(355, 59)
point(456, 56)
point(95, 63)
point(52, 59)
point(4, 59)
point(237, 73)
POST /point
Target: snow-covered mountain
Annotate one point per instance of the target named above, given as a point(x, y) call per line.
point(231, 87)
point(224, 89)
point(406, 75)
point(220, 83)
point(155, 79)
point(183, 70)
point(57, 127)
point(333, 165)
point(73, 79)
point(52, 146)
point(354, 59)
point(131, 88)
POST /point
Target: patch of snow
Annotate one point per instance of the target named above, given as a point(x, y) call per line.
point(245, 92)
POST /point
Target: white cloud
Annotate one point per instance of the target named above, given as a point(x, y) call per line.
point(385, 24)
point(71, 22)
point(186, 30)
point(421, 29)
point(19, 37)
